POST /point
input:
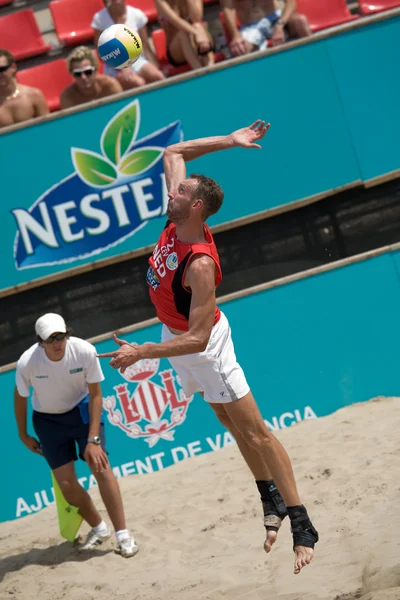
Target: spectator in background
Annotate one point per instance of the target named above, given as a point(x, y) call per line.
point(88, 84)
point(17, 102)
point(188, 40)
point(262, 21)
point(145, 69)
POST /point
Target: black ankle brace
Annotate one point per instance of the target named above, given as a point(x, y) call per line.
point(273, 505)
point(303, 531)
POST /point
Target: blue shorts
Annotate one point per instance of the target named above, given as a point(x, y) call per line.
point(259, 32)
point(61, 434)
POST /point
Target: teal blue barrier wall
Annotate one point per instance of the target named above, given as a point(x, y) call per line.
point(365, 67)
point(316, 345)
point(333, 108)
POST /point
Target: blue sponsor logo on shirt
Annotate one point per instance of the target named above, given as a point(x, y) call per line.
point(152, 278)
point(79, 370)
point(41, 376)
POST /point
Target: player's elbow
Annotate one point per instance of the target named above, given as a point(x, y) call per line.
point(202, 346)
point(200, 341)
point(171, 150)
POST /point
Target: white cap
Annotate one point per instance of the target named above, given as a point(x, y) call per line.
point(48, 324)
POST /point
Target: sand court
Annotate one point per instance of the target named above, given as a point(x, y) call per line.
point(199, 526)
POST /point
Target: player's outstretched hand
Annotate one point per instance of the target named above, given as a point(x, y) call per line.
point(248, 136)
point(126, 355)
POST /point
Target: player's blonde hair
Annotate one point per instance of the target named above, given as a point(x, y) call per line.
point(81, 53)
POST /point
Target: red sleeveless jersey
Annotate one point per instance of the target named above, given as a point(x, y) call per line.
point(166, 276)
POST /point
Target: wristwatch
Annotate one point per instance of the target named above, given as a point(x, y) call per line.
point(94, 440)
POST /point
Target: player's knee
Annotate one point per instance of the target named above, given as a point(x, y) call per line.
point(71, 490)
point(104, 476)
point(257, 438)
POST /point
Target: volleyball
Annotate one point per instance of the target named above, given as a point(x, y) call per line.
point(119, 46)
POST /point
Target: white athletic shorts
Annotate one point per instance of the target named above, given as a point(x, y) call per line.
point(137, 67)
point(261, 31)
point(215, 372)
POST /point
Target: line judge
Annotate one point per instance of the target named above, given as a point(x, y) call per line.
point(65, 376)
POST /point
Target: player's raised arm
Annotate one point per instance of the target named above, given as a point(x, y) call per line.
point(177, 155)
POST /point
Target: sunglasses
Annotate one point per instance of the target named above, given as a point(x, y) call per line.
point(57, 336)
point(4, 68)
point(87, 71)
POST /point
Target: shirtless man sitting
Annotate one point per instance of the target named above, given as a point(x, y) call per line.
point(17, 102)
point(88, 84)
point(262, 21)
point(188, 39)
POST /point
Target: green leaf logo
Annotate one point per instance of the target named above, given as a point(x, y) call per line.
point(140, 160)
point(120, 132)
point(118, 137)
point(92, 168)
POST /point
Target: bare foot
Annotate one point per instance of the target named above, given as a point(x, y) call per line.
point(303, 557)
point(270, 540)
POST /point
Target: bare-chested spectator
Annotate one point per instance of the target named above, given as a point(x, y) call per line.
point(17, 102)
point(261, 22)
point(88, 84)
point(145, 69)
point(188, 40)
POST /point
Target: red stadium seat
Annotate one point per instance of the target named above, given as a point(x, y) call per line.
point(72, 19)
point(100, 68)
point(51, 78)
point(325, 13)
point(369, 7)
point(19, 33)
point(147, 6)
